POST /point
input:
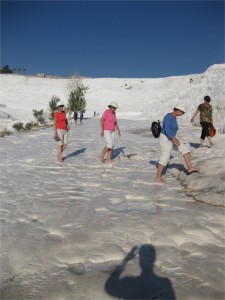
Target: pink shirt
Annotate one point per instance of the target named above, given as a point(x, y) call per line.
point(109, 120)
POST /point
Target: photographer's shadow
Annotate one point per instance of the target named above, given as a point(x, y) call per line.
point(147, 285)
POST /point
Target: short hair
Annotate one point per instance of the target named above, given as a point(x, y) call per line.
point(207, 98)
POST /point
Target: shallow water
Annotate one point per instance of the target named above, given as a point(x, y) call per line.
point(65, 227)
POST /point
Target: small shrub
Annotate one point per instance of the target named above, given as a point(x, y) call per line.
point(28, 126)
point(18, 126)
point(53, 106)
point(38, 114)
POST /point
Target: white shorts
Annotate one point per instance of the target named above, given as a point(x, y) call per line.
point(63, 135)
point(166, 147)
point(109, 138)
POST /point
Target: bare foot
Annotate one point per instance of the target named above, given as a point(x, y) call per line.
point(110, 161)
point(102, 158)
point(212, 144)
point(59, 159)
point(192, 170)
point(160, 180)
point(202, 145)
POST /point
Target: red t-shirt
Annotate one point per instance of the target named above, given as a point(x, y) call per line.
point(61, 120)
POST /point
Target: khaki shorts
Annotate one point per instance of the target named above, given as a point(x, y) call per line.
point(109, 138)
point(63, 135)
point(166, 147)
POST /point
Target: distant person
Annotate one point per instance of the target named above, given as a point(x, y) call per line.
point(94, 113)
point(81, 117)
point(168, 140)
point(75, 116)
point(206, 120)
point(108, 126)
point(61, 127)
point(147, 285)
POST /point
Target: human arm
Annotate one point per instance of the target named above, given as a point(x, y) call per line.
point(118, 129)
point(102, 126)
point(211, 118)
point(175, 141)
point(194, 115)
point(55, 127)
point(67, 125)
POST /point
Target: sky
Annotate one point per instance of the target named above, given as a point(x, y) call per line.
point(118, 39)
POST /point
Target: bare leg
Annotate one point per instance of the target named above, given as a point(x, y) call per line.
point(59, 155)
point(102, 156)
point(159, 174)
point(64, 147)
point(210, 141)
point(188, 163)
point(109, 155)
point(202, 143)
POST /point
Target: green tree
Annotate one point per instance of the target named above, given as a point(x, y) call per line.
point(6, 70)
point(53, 106)
point(18, 126)
point(38, 114)
point(77, 102)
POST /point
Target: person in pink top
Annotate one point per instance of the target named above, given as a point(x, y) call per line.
point(108, 126)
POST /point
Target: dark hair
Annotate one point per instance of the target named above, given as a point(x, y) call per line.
point(207, 98)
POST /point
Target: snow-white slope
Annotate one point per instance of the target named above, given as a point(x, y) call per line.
point(65, 228)
point(137, 98)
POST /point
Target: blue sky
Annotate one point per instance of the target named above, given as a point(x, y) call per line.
point(124, 39)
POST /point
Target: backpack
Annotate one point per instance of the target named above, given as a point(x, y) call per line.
point(212, 130)
point(156, 129)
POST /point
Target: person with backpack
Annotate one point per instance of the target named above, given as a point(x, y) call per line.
point(206, 120)
point(169, 141)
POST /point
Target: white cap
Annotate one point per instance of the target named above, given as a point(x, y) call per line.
point(181, 106)
point(113, 104)
point(59, 103)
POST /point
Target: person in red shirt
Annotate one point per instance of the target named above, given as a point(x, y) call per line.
point(61, 128)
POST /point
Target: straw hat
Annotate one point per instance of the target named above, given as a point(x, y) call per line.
point(181, 106)
point(113, 104)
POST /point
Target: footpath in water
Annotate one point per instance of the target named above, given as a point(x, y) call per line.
point(65, 228)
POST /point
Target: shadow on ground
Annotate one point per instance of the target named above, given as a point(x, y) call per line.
point(179, 167)
point(147, 285)
point(118, 151)
point(75, 153)
point(195, 145)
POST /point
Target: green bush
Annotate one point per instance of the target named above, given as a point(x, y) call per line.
point(38, 114)
point(6, 70)
point(28, 126)
point(18, 126)
point(53, 106)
